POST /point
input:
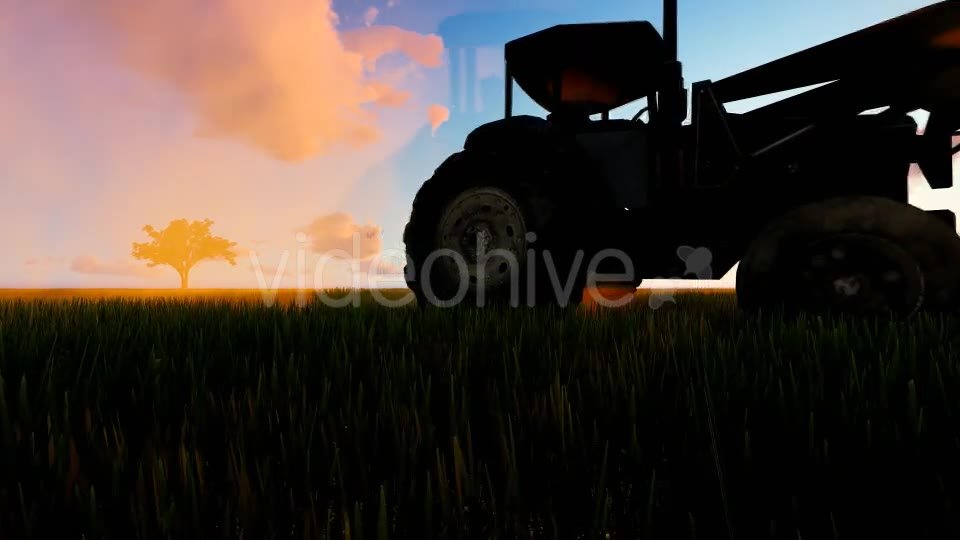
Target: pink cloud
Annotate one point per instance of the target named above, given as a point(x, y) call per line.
point(437, 115)
point(389, 96)
point(276, 75)
point(374, 42)
point(338, 235)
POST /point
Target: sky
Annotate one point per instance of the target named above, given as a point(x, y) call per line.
point(297, 126)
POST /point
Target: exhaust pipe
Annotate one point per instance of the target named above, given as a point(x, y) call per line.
point(670, 16)
point(672, 106)
point(673, 95)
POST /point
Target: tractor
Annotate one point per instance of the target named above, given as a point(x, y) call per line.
point(809, 194)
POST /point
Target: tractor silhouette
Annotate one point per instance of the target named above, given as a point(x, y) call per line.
point(808, 193)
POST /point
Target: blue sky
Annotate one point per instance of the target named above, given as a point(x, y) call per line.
point(103, 111)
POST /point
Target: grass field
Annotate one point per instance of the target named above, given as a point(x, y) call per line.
point(146, 414)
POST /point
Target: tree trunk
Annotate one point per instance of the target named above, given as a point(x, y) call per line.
point(183, 279)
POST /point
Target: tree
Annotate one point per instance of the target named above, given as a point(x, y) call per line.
point(181, 245)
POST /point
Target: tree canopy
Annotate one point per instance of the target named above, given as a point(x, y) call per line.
point(183, 244)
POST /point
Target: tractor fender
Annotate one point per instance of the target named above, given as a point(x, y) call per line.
point(521, 134)
point(560, 161)
point(533, 143)
point(550, 168)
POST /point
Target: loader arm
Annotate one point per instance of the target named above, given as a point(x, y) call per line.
point(904, 43)
point(907, 63)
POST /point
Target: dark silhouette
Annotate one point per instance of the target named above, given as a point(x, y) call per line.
point(183, 244)
point(834, 228)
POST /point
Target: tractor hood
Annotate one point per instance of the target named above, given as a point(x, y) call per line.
point(593, 67)
point(922, 36)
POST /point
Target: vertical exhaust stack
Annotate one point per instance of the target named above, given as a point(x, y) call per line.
point(673, 97)
point(672, 101)
point(670, 16)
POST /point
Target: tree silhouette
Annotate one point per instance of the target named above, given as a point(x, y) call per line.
point(181, 245)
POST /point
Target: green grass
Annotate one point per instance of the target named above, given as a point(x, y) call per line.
point(210, 418)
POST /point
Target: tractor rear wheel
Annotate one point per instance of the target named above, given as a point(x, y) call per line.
point(485, 232)
point(857, 255)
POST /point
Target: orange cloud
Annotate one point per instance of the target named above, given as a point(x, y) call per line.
point(389, 96)
point(339, 236)
point(89, 264)
point(374, 42)
point(276, 75)
point(437, 115)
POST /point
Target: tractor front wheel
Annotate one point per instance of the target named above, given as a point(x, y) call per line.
point(855, 255)
point(485, 232)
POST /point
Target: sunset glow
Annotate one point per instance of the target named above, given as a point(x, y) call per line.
point(277, 120)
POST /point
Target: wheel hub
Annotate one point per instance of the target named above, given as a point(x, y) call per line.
point(477, 239)
point(485, 229)
point(858, 273)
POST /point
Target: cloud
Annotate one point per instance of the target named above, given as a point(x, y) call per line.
point(277, 75)
point(383, 266)
point(370, 15)
point(437, 115)
point(339, 236)
point(89, 264)
point(330, 245)
point(375, 42)
point(389, 96)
